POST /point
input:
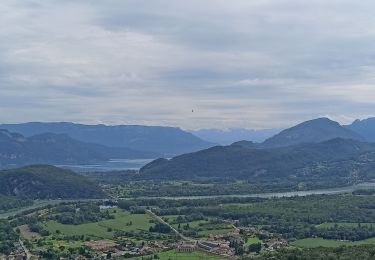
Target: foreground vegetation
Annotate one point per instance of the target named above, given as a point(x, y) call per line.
point(364, 252)
point(9, 203)
point(310, 227)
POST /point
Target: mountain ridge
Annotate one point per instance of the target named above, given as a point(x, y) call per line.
point(311, 131)
point(365, 127)
point(336, 157)
point(49, 148)
point(157, 139)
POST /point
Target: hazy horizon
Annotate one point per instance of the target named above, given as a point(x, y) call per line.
point(224, 129)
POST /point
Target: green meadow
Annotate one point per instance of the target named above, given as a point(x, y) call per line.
point(105, 228)
point(173, 255)
point(203, 227)
point(253, 240)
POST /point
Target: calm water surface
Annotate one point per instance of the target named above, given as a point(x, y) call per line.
point(111, 165)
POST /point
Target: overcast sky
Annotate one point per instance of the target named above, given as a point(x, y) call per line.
point(239, 63)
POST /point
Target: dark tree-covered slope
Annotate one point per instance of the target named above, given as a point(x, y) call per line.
point(46, 182)
point(336, 158)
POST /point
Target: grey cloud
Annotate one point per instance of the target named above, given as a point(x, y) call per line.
point(241, 63)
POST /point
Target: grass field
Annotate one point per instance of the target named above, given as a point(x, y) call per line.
point(320, 242)
point(192, 224)
point(27, 234)
point(219, 231)
point(173, 255)
point(90, 229)
point(139, 222)
point(100, 229)
point(253, 240)
point(205, 226)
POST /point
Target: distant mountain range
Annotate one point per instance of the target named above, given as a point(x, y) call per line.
point(318, 148)
point(365, 128)
point(325, 129)
point(15, 150)
point(168, 141)
point(69, 143)
point(312, 131)
point(228, 136)
point(47, 182)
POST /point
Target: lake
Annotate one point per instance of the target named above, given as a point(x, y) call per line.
point(111, 165)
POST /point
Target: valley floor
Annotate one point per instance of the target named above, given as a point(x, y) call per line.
point(217, 227)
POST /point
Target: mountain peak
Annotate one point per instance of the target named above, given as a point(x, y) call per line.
point(312, 131)
point(365, 127)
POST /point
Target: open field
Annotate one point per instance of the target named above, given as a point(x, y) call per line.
point(193, 224)
point(203, 227)
point(253, 240)
point(89, 229)
point(173, 255)
point(123, 221)
point(27, 234)
point(320, 242)
point(219, 231)
point(138, 222)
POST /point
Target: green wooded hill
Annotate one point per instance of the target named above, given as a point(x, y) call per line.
point(337, 159)
point(46, 182)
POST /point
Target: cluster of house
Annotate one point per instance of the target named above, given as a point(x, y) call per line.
point(274, 243)
point(218, 247)
point(18, 254)
point(271, 241)
point(103, 247)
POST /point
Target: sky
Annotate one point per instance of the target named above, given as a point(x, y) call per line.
point(193, 64)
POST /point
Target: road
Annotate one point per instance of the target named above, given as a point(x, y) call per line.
point(160, 220)
point(27, 252)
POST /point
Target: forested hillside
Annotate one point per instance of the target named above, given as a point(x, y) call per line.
point(46, 182)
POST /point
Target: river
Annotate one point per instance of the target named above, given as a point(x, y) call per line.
point(329, 191)
point(259, 195)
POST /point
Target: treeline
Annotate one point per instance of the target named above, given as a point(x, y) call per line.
point(79, 213)
point(364, 192)
point(365, 252)
point(172, 204)
point(7, 238)
point(8, 203)
point(353, 233)
point(208, 186)
point(64, 213)
point(160, 228)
